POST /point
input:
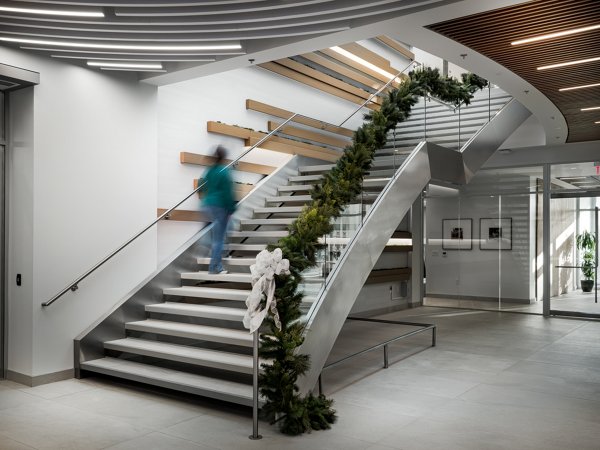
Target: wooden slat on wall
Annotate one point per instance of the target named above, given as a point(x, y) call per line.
point(395, 45)
point(183, 215)
point(204, 160)
point(284, 114)
point(348, 72)
point(274, 143)
point(310, 135)
point(357, 66)
point(296, 76)
point(327, 79)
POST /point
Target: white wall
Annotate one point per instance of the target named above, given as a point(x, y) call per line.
point(90, 183)
point(475, 272)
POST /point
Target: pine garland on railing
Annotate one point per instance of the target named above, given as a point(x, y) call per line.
point(338, 188)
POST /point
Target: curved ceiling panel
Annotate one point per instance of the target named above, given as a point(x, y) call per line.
point(553, 44)
point(179, 34)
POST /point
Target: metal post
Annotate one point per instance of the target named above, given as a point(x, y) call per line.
point(434, 336)
point(385, 357)
point(459, 146)
point(255, 435)
point(417, 255)
point(320, 384)
point(596, 269)
point(546, 240)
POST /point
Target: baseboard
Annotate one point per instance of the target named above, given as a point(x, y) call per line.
point(476, 298)
point(39, 379)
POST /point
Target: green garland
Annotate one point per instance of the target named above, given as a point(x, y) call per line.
point(339, 187)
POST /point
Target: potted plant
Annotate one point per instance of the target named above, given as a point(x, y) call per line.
point(586, 242)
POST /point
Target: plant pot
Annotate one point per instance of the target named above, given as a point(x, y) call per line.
point(587, 285)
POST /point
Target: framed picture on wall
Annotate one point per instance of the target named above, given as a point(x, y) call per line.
point(457, 234)
point(495, 234)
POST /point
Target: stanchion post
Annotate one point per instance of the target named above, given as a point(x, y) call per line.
point(255, 434)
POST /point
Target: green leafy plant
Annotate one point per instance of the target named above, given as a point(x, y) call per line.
point(339, 187)
point(586, 242)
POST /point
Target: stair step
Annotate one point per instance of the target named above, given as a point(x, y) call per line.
point(259, 234)
point(297, 178)
point(280, 209)
point(274, 221)
point(375, 182)
point(172, 379)
point(191, 310)
point(288, 198)
point(205, 276)
point(192, 331)
point(183, 353)
point(208, 293)
point(230, 261)
point(246, 247)
point(295, 188)
point(316, 169)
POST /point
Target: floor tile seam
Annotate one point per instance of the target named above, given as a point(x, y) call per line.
point(57, 396)
point(578, 366)
point(129, 440)
point(19, 442)
point(554, 392)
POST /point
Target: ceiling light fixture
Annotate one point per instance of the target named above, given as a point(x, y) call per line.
point(597, 121)
point(136, 59)
point(53, 12)
point(579, 87)
point(124, 46)
point(361, 61)
point(124, 69)
point(125, 65)
point(591, 108)
point(555, 35)
point(570, 63)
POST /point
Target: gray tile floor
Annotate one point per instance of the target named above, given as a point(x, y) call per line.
point(494, 381)
point(577, 301)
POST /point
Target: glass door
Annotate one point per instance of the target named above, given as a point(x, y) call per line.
point(575, 199)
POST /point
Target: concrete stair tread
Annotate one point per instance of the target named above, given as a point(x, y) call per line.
point(193, 310)
point(193, 331)
point(208, 293)
point(173, 379)
point(274, 221)
point(276, 209)
point(183, 353)
point(288, 198)
point(206, 276)
point(295, 188)
point(231, 261)
point(245, 247)
point(297, 178)
point(259, 233)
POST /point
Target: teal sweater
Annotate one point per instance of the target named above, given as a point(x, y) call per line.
point(218, 190)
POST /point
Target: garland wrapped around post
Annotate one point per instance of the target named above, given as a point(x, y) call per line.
point(338, 188)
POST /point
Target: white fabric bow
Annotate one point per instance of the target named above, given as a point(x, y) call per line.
point(268, 264)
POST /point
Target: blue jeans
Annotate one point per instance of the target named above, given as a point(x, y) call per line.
point(220, 219)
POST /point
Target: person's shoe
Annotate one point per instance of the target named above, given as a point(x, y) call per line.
point(219, 272)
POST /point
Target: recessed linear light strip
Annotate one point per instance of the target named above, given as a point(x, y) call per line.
point(570, 63)
point(136, 59)
point(125, 65)
point(88, 52)
point(591, 108)
point(555, 35)
point(124, 69)
point(579, 87)
point(53, 12)
point(124, 46)
point(363, 62)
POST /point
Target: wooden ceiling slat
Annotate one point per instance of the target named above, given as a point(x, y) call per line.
point(490, 33)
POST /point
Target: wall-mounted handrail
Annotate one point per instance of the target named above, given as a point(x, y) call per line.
point(74, 285)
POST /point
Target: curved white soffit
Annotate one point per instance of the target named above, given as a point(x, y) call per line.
point(413, 32)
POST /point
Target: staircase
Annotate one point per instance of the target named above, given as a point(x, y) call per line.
point(190, 337)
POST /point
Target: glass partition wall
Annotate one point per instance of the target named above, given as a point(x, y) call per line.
point(483, 242)
point(575, 199)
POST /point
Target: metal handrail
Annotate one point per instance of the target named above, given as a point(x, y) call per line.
point(424, 327)
point(74, 285)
